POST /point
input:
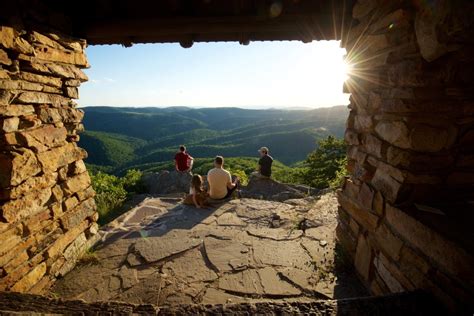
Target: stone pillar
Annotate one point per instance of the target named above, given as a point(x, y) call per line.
point(411, 137)
point(47, 208)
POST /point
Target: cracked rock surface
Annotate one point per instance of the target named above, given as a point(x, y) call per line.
point(246, 250)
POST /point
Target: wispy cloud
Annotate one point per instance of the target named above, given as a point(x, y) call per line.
point(103, 80)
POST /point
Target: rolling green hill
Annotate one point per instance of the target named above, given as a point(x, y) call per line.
point(147, 138)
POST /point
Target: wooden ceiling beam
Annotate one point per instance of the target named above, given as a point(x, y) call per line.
point(300, 27)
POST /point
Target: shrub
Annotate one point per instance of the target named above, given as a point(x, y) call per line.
point(112, 192)
point(132, 181)
point(326, 165)
point(244, 179)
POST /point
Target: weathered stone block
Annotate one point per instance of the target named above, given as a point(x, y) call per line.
point(9, 38)
point(428, 139)
point(384, 183)
point(363, 258)
point(37, 222)
point(10, 238)
point(57, 193)
point(16, 110)
point(351, 189)
point(76, 183)
point(17, 166)
point(42, 138)
point(391, 282)
point(20, 85)
point(27, 205)
point(30, 279)
point(378, 204)
point(42, 98)
point(390, 244)
point(61, 56)
point(44, 80)
point(444, 252)
point(29, 122)
point(58, 157)
point(64, 240)
point(4, 58)
point(366, 196)
point(77, 167)
point(373, 145)
point(70, 203)
point(351, 137)
point(14, 250)
point(363, 216)
point(82, 211)
point(394, 132)
point(17, 261)
point(85, 194)
point(36, 37)
point(72, 253)
point(72, 92)
point(413, 266)
point(10, 124)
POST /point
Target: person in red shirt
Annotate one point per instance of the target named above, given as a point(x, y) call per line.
point(183, 161)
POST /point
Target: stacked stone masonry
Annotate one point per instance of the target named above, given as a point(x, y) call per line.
point(411, 147)
point(47, 209)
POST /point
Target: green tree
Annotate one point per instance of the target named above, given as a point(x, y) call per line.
point(326, 164)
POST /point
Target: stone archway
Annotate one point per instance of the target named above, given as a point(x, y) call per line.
point(410, 131)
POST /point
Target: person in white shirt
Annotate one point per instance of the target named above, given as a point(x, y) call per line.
point(220, 181)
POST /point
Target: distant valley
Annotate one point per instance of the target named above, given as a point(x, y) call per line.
point(147, 138)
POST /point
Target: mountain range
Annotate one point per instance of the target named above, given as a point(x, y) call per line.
point(119, 138)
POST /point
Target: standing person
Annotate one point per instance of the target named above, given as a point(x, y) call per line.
point(183, 161)
point(220, 181)
point(265, 163)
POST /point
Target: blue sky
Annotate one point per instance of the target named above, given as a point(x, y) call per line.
point(260, 75)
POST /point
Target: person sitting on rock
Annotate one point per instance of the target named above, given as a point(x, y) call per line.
point(197, 195)
point(265, 163)
point(220, 181)
point(183, 161)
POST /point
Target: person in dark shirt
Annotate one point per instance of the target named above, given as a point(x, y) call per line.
point(265, 163)
point(183, 161)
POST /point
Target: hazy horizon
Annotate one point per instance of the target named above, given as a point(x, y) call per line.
point(292, 108)
point(258, 76)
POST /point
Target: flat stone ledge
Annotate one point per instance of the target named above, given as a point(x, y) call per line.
point(409, 303)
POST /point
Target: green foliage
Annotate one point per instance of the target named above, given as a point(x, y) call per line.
point(244, 179)
point(132, 181)
point(112, 192)
point(325, 166)
point(289, 175)
point(341, 174)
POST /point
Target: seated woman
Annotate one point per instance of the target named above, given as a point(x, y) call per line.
point(197, 195)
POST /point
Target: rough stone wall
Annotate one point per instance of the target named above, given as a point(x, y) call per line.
point(411, 142)
point(47, 209)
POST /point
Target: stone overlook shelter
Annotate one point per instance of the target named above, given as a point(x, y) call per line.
point(406, 212)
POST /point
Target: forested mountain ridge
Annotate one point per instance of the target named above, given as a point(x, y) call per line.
point(121, 138)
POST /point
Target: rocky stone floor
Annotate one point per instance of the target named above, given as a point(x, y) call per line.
point(246, 250)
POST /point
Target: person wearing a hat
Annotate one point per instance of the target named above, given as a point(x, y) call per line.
point(265, 163)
